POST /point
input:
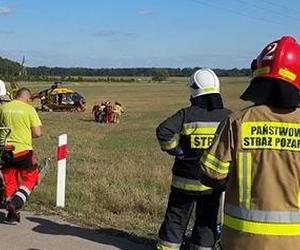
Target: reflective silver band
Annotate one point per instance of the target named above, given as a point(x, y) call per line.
point(201, 125)
point(197, 247)
point(169, 244)
point(21, 195)
point(25, 189)
point(263, 215)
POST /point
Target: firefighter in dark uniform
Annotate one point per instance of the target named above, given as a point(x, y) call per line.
point(195, 126)
point(258, 153)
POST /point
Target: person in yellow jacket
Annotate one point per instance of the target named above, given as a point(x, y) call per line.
point(257, 152)
point(117, 112)
point(20, 173)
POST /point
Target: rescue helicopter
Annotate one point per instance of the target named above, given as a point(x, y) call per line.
point(60, 98)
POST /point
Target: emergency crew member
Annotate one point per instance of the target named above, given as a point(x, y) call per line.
point(20, 174)
point(117, 112)
point(102, 112)
point(95, 111)
point(258, 152)
point(108, 112)
point(195, 126)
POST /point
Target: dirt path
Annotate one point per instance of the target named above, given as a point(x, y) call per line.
point(49, 233)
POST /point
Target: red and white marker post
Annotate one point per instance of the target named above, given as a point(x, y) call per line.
point(61, 155)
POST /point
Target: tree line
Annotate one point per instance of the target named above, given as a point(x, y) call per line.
point(10, 70)
point(131, 72)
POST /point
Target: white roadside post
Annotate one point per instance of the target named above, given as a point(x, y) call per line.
point(61, 155)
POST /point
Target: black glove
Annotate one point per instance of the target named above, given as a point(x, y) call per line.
point(177, 152)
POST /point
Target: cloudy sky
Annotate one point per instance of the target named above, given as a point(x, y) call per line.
point(140, 33)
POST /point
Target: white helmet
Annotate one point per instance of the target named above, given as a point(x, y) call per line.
point(203, 82)
point(2, 88)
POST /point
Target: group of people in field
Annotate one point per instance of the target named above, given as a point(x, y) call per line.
point(105, 112)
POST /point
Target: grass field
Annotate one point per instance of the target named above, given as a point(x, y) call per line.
point(117, 177)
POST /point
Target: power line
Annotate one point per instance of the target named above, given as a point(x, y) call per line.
point(282, 7)
point(233, 11)
point(268, 10)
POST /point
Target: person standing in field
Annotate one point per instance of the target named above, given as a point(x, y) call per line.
point(108, 113)
point(20, 174)
point(257, 153)
point(195, 126)
point(118, 110)
point(96, 111)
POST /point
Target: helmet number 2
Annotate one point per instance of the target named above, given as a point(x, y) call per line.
point(270, 51)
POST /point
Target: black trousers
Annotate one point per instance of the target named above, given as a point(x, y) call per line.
point(180, 207)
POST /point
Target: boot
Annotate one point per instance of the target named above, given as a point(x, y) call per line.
point(13, 216)
point(196, 247)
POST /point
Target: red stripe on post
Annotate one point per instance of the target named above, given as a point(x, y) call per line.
point(61, 152)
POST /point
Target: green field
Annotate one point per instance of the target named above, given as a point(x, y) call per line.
point(117, 177)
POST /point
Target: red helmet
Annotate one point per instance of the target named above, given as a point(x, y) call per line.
point(279, 59)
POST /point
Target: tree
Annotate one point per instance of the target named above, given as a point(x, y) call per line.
point(9, 69)
point(160, 75)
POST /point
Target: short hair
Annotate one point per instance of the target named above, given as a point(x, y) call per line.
point(22, 91)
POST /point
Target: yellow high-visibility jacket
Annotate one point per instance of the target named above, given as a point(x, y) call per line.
point(258, 151)
point(118, 109)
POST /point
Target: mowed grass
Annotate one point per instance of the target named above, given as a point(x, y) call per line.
point(117, 177)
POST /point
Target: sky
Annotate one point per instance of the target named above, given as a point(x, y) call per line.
point(143, 33)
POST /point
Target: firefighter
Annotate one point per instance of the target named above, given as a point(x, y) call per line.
point(20, 173)
point(258, 152)
point(195, 126)
point(95, 111)
point(118, 110)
